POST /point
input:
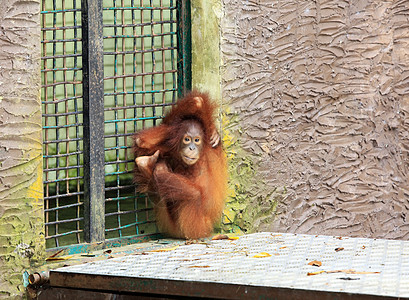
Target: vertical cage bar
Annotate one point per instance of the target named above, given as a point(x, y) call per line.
point(143, 63)
point(184, 47)
point(57, 132)
point(153, 70)
point(79, 227)
point(174, 80)
point(93, 82)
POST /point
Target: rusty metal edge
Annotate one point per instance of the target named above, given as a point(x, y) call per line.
point(215, 290)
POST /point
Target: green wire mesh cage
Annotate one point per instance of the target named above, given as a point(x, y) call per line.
point(141, 78)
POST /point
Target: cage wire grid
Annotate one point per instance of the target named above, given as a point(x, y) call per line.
point(140, 80)
point(62, 121)
point(136, 99)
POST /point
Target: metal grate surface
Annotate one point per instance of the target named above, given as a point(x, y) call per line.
point(233, 262)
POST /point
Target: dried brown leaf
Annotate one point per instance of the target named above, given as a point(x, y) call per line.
point(55, 254)
point(348, 271)
point(339, 249)
point(315, 273)
point(315, 263)
point(220, 237)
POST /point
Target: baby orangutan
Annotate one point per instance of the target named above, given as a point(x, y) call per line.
point(181, 163)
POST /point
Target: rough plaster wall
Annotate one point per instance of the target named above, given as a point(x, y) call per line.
point(21, 214)
point(320, 91)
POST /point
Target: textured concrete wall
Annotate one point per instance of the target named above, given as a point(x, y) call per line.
point(21, 202)
point(319, 98)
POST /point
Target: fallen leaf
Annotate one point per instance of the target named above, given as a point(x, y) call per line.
point(88, 255)
point(315, 273)
point(339, 237)
point(199, 266)
point(189, 259)
point(315, 263)
point(262, 254)
point(220, 237)
point(59, 258)
point(165, 249)
point(356, 272)
point(283, 247)
point(363, 247)
point(233, 238)
point(109, 251)
point(55, 254)
point(348, 278)
point(349, 271)
point(339, 249)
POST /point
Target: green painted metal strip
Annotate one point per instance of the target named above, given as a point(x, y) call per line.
point(110, 243)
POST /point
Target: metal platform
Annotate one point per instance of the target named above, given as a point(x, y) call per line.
point(254, 266)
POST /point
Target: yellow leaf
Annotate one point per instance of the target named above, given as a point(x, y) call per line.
point(59, 258)
point(165, 249)
point(233, 238)
point(262, 254)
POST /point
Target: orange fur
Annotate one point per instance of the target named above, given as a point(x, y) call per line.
point(189, 199)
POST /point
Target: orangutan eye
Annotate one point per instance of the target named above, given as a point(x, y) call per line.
point(186, 140)
point(197, 140)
